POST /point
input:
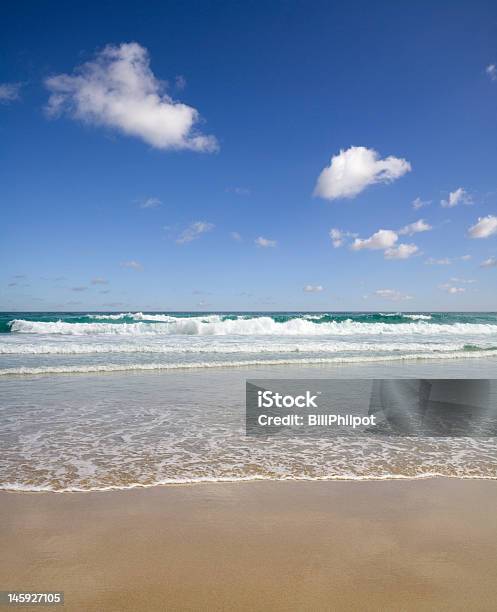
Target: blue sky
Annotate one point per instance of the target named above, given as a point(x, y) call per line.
point(170, 155)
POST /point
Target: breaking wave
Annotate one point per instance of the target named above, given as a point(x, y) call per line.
point(218, 325)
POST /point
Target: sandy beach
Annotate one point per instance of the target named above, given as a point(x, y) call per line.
point(392, 545)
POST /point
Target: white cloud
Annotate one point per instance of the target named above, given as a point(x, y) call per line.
point(491, 71)
point(385, 240)
point(338, 236)
point(459, 196)
point(150, 203)
point(402, 251)
point(467, 281)
point(99, 281)
point(380, 240)
point(485, 227)
point(354, 169)
point(414, 228)
point(419, 203)
point(313, 288)
point(118, 90)
point(265, 242)
point(241, 191)
point(392, 294)
point(194, 231)
point(491, 262)
point(444, 261)
point(132, 265)
point(9, 92)
point(451, 289)
point(236, 236)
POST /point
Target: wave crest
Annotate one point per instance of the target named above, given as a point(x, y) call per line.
point(217, 325)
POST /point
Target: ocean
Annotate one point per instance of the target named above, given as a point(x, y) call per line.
point(92, 401)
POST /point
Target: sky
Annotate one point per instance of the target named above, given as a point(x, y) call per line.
point(248, 156)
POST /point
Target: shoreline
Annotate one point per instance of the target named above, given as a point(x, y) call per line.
point(412, 545)
point(248, 481)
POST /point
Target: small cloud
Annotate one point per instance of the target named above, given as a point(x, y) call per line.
point(79, 289)
point(467, 281)
point(392, 294)
point(240, 191)
point(452, 289)
point(9, 92)
point(491, 71)
point(265, 242)
point(354, 169)
point(459, 196)
point(444, 261)
point(402, 251)
point(14, 284)
point(485, 227)
point(118, 90)
point(113, 304)
point(132, 265)
point(419, 203)
point(380, 240)
point(19, 276)
point(236, 236)
point(180, 82)
point(104, 291)
point(99, 281)
point(491, 262)
point(338, 236)
point(465, 257)
point(415, 228)
point(313, 288)
point(194, 231)
point(150, 203)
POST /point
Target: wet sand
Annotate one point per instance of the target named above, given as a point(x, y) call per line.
point(391, 545)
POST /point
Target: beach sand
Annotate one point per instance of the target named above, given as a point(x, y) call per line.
point(390, 545)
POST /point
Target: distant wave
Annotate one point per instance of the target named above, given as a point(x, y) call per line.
point(237, 364)
point(323, 318)
point(217, 325)
point(74, 348)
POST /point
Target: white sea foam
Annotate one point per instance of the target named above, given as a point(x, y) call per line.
point(238, 364)
point(215, 325)
point(65, 347)
point(28, 488)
